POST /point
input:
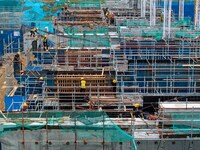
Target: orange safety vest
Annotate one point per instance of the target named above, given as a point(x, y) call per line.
point(83, 84)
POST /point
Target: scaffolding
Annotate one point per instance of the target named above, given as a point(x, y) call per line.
point(133, 50)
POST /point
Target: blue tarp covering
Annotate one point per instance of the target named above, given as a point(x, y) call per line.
point(33, 68)
point(13, 103)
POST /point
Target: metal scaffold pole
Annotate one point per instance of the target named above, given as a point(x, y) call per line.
point(196, 13)
point(181, 9)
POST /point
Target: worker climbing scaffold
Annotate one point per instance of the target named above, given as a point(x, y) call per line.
point(45, 44)
point(17, 65)
point(109, 16)
point(32, 31)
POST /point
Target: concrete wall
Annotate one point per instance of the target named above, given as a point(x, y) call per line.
point(170, 144)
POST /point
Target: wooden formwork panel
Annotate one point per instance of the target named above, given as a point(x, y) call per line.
point(94, 83)
point(86, 11)
point(81, 22)
point(84, 58)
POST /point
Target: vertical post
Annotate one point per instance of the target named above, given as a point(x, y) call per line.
point(181, 9)
point(192, 122)
point(169, 18)
point(75, 132)
point(11, 42)
point(143, 8)
point(196, 13)
point(103, 130)
point(47, 141)
point(4, 47)
point(22, 125)
point(98, 95)
point(8, 47)
point(186, 103)
point(152, 13)
point(164, 18)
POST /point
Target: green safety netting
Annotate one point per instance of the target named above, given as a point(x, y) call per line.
point(95, 31)
point(94, 126)
point(85, 3)
point(187, 34)
point(186, 122)
point(10, 6)
point(182, 22)
point(89, 41)
point(132, 23)
point(156, 34)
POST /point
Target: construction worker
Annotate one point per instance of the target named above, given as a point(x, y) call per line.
point(89, 101)
point(33, 32)
point(162, 16)
point(25, 106)
point(104, 11)
point(45, 45)
point(136, 110)
point(114, 84)
point(109, 16)
point(41, 80)
point(83, 85)
point(17, 64)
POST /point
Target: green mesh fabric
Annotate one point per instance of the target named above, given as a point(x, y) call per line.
point(189, 34)
point(186, 122)
point(89, 126)
point(152, 33)
point(10, 6)
point(182, 22)
point(95, 126)
point(85, 3)
point(89, 41)
point(95, 31)
point(132, 23)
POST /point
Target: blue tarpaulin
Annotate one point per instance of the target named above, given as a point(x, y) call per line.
point(33, 68)
point(13, 103)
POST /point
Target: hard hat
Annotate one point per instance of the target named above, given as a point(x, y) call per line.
point(41, 78)
point(18, 53)
point(25, 105)
point(82, 78)
point(136, 105)
point(45, 35)
point(114, 81)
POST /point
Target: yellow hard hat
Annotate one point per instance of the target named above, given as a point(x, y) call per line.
point(82, 78)
point(45, 35)
point(114, 80)
point(25, 105)
point(18, 53)
point(41, 78)
point(136, 105)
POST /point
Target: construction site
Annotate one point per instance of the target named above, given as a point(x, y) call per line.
point(99, 74)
